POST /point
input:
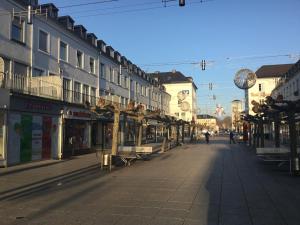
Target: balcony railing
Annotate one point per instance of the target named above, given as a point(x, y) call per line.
point(48, 87)
point(51, 87)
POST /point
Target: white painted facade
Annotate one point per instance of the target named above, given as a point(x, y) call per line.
point(121, 81)
point(183, 104)
point(289, 89)
point(262, 88)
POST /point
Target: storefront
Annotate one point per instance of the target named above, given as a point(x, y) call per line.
point(130, 131)
point(77, 131)
point(33, 129)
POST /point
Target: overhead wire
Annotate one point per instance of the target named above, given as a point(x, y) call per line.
point(227, 59)
point(87, 3)
point(141, 9)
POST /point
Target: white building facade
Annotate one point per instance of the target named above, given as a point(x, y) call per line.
point(183, 104)
point(267, 78)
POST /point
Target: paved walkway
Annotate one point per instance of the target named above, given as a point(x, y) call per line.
point(215, 184)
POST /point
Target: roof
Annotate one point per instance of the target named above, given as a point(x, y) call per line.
point(269, 71)
point(172, 78)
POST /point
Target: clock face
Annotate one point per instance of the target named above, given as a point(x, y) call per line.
point(245, 79)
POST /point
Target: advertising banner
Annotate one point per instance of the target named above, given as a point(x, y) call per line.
point(47, 125)
point(26, 138)
point(37, 133)
point(14, 133)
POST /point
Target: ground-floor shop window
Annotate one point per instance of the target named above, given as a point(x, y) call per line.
point(76, 136)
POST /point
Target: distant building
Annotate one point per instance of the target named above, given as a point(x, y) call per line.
point(236, 111)
point(207, 122)
point(182, 89)
point(268, 77)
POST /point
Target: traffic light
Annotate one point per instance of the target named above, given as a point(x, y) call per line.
point(203, 64)
point(210, 86)
point(181, 3)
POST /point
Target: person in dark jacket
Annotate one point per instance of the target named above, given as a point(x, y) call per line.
point(231, 137)
point(207, 137)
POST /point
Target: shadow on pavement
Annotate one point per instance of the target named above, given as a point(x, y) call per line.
point(37, 188)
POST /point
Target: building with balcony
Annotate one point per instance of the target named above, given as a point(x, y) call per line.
point(52, 72)
point(49, 79)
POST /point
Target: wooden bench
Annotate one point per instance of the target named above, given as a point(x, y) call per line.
point(129, 153)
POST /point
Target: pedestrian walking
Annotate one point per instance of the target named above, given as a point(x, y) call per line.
point(207, 137)
point(231, 137)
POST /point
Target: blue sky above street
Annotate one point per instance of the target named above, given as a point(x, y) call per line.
point(228, 34)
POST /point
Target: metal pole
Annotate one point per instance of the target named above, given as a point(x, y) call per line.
point(177, 133)
point(250, 134)
point(140, 123)
point(293, 143)
point(277, 131)
point(182, 134)
point(257, 134)
point(261, 133)
point(114, 148)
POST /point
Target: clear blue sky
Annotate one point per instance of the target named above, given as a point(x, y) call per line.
point(226, 33)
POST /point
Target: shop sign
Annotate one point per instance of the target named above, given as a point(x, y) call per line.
point(73, 113)
point(259, 94)
point(34, 105)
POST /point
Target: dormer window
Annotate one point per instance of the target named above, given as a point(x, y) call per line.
point(103, 48)
point(112, 53)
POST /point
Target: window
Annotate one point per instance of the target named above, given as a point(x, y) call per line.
point(136, 87)
point(77, 88)
point(20, 69)
point(260, 87)
point(85, 95)
point(126, 82)
point(79, 59)
point(177, 114)
point(111, 75)
point(67, 90)
point(102, 70)
point(92, 65)
point(93, 96)
point(17, 30)
point(119, 78)
point(131, 85)
point(123, 101)
point(43, 41)
point(63, 51)
point(37, 72)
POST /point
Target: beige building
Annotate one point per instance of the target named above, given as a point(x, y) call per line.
point(182, 89)
point(207, 122)
point(236, 111)
point(268, 77)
